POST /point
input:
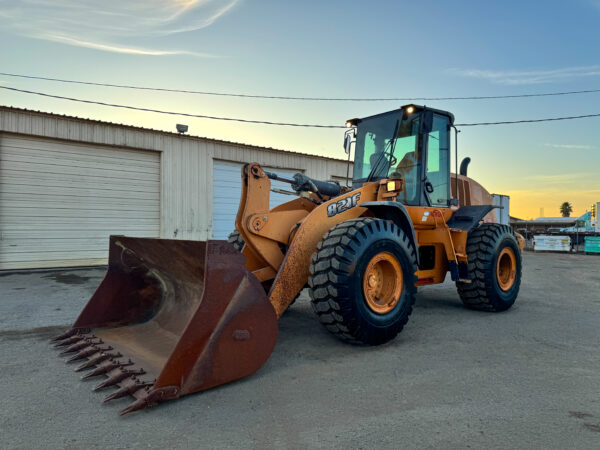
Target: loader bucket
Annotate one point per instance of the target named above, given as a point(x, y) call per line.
point(172, 317)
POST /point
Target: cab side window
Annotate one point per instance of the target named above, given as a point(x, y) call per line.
point(438, 161)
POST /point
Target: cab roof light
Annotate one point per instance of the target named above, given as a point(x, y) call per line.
point(352, 122)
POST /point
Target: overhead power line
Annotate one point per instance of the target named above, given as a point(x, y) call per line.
point(265, 122)
point(172, 113)
point(316, 99)
point(507, 122)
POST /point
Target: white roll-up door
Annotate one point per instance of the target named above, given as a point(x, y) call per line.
point(227, 189)
point(60, 201)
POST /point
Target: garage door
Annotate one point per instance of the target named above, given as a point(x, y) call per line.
point(227, 191)
point(60, 201)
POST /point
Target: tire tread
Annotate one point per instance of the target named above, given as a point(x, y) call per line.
point(480, 253)
point(330, 272)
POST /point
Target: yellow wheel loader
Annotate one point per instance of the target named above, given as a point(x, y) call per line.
point(172, 317)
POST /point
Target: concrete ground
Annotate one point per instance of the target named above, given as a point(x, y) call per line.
point(454, 378)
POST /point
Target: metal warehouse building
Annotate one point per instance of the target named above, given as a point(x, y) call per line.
point(67, 183)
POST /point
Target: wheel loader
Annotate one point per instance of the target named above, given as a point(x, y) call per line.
point(172, 317)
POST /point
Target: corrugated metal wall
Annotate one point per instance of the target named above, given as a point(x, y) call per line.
point(186, 162)
point(60, 200)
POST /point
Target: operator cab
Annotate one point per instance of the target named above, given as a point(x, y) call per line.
point(412, 143)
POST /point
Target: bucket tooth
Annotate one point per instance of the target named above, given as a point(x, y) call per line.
point(69, 340)
point(118, 377)
point(65, 335)
point(152, 397)
point(105, 367)
point(77, 346)
point(126, 390)
point(135, 406)
point(97, 360)
point(87, 352)
point(74, 348)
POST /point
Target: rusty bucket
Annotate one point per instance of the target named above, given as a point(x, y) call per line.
point(172, 317)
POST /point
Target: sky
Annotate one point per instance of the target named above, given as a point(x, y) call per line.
point(333, 49)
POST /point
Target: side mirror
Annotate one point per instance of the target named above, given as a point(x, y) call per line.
point(347, 142)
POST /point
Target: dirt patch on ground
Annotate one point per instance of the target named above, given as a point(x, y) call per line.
point(42, 333)
point(579, 414)
point(67, 278)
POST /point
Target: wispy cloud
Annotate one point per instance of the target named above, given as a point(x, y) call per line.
point(121, 49)
point(570, 146)
point(121, 26)
point(207, 21)
point(515, 77)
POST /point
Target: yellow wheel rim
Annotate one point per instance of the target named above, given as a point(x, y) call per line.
point(506, 269)
point(382, 283)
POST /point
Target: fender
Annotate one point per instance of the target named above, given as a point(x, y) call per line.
point(467, 217)
point(396, 212)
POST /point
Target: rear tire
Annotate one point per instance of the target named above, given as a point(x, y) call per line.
point(493, 288)
point(339, 293)
point(236, 240)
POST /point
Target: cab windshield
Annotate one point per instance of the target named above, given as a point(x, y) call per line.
point(386, 147)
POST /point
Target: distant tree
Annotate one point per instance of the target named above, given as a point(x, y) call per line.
point(566, 209)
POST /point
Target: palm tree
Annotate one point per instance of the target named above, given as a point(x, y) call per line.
point(566, 209)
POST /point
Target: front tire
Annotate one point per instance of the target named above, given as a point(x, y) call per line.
point(362, 280)
point(494, 268)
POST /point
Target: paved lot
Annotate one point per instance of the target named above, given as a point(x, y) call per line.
point(454, 378)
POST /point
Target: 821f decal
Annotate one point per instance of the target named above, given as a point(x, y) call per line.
point(343, 205)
